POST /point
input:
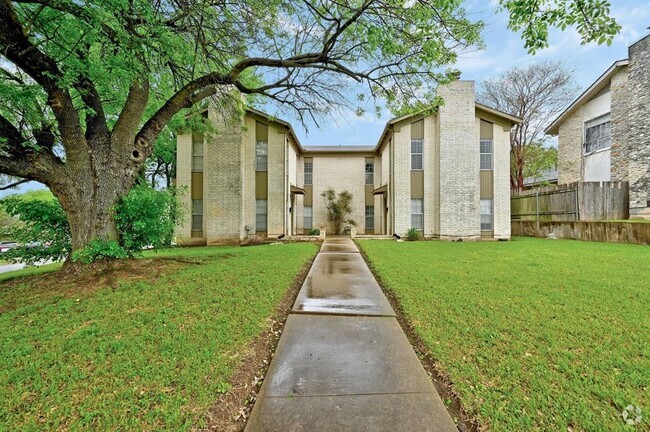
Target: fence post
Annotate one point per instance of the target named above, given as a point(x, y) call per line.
point(577, 203)
point(537, 208)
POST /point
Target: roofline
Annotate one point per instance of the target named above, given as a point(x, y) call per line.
point(511, 119)
point(592, 90)
point(339, 149)
point(284, 123)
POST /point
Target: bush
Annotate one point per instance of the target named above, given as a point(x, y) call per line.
point(314, 231)
point(98, 250)
point(412, 234)
point(146, 217)
point(42, 230)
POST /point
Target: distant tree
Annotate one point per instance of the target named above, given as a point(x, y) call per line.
point(540, 160)
point(338, 208)
point(536, 94)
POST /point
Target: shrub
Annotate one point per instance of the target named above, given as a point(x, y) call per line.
point(42, 230)
point(412, 234)
point(146, 217)
point(339, 207)
point(314, 231)
point(98, 250)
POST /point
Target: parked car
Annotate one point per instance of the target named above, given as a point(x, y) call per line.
point(7, 245)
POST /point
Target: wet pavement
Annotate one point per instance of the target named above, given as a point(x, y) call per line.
point(343, 363)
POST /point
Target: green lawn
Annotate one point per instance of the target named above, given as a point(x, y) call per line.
point(536, 335)
point(143, 354)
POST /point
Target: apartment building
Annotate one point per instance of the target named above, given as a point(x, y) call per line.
point(604, 135)
point(445, 173)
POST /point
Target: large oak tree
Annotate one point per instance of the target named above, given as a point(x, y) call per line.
point(87, 86)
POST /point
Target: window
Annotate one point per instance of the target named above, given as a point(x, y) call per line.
point(261, 155)
point(486, 153)
point(370, 218)
point(370, 173)
point(598, 134)
point(307, 218)
point(486, 215)
point(197, 215)
point(260, 215)
point(197, 154)
point(309, 173)
point(417, 213)
point(416, 154)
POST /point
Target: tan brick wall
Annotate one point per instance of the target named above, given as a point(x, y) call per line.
point(277, 198)
point(620, 128)
point(248, 176)
point(222, 180)
point(345, 172)
point(431, 178)
point(459, 162)
point(183, 182)
point(501, 203)
point(401, 199)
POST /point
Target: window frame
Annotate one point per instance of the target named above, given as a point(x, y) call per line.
point(310, 172)
point(491, 214)
point(370, 216)
point(420, 215)
point(421, 154)
point(198, 167)
point(305, 217)
point(197, 212)
point(597, 122)
point(258, 214)
point(259, 155)
point(370, 175)
point(490, 154)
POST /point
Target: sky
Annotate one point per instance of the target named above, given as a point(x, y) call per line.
point(504, 49)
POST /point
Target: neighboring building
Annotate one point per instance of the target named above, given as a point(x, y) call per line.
point(546, 178)
point(445, 174)
point(604, 135)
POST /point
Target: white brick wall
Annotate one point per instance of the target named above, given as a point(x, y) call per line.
point(501, 203)
point(431, 176)
point(345, 172)
point(459, 162)
point(401, 199)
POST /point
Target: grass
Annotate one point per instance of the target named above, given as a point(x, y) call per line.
point(536, 335)
point(151, 351)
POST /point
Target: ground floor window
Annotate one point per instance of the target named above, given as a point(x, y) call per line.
point(261, 211)
point(486, 215)
point(197, 215)
point(370, 218)
point(417, 213)
point(307, 218)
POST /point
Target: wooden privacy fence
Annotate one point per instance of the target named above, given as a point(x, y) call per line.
point(579, 201)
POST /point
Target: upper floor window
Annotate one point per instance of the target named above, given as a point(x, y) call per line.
point(370, 173)
point(197, 153)
point(309, 173)
point(598, 134)
point(261, 155)
point(486, 153)
point(416, 154)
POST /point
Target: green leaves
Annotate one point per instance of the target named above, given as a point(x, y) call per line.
point(591, 19)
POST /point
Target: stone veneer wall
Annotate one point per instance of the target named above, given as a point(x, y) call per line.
point(570, 148)
point(459, 162)
point(639, 123)
point(619, 129)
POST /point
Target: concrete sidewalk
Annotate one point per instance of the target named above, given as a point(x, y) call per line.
point(343, 363)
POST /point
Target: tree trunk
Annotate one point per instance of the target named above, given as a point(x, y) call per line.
point(91, 187)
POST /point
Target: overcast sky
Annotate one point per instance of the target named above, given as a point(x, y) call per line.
point(504, 49)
